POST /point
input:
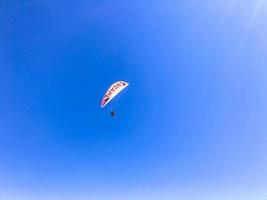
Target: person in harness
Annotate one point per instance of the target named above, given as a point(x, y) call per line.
point(113, 113)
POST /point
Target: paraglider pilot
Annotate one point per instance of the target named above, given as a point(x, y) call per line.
point(113, 113)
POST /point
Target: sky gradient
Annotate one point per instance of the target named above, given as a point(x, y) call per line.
point(191, 125)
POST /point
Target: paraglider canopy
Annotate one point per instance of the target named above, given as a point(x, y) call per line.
point(113, 91)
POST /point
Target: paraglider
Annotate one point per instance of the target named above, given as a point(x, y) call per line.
point(113, 113)
point(113, 91)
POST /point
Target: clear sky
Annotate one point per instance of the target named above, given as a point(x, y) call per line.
point(192, 125)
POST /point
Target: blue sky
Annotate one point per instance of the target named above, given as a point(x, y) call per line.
point(191, 125)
